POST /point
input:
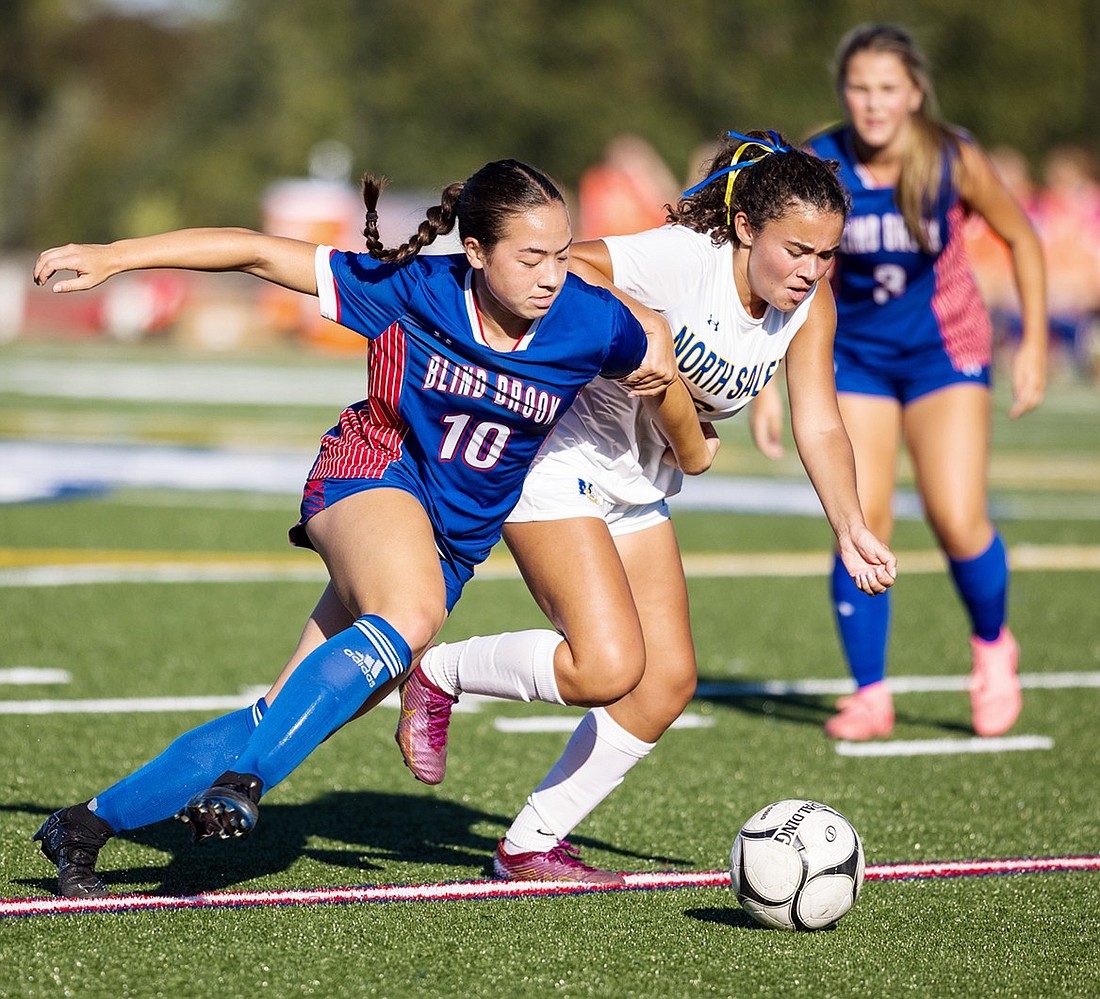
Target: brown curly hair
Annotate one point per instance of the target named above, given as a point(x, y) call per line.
point(766, 188)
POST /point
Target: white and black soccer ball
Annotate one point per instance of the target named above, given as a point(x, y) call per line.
point(797, 865)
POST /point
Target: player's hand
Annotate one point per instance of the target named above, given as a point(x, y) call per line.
point(711, 438)
point(766, 422)
point(870, 563)
point(711, 441)
point(1029, 377)
point(91, 262)
point(658, 368)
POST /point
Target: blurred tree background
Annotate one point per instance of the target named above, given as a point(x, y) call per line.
point(127, 116)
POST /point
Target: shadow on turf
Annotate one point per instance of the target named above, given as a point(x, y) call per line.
point(729, 915)
point(366, 830)
point(806, 709)
point(732, 915)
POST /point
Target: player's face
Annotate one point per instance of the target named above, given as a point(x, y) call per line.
point(787, 257)
point(879, 95)
point(523, 274)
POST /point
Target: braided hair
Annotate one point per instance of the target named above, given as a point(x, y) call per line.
point(481, 206)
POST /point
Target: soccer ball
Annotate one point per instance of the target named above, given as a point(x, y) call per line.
point(797, 865)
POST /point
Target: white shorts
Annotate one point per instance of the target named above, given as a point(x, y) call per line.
point(552, 493)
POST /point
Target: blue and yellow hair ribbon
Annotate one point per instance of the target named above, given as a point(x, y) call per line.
point(736, 163)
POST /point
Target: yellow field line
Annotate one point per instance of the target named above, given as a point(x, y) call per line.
point(498, 566)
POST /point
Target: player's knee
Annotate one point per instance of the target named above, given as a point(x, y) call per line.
point(880, 521)
point(665, 699)
point(418, 624)
point(961, 535)
point(680, 691)
point(605, 676)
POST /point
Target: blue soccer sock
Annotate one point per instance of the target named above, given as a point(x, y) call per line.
point(323, 693)
point(983, 586)
point(863, 624)
point(161, 788)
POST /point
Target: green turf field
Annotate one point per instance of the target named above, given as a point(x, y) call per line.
point(352, 815)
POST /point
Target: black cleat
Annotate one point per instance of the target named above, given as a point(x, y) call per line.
point(228, 809)
point(72, 838)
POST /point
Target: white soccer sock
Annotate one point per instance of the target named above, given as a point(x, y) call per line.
point(517, 665)
point(599, 754)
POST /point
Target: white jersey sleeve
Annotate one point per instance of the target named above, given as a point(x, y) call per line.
point(661, 268)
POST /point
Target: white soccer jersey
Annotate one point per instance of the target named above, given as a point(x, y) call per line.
point(725, 356)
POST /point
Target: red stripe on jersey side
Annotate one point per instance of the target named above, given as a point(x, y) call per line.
point(370, 436)
point(964, 324)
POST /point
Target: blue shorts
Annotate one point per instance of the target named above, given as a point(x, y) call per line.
point(905, 378)
point(322, 493)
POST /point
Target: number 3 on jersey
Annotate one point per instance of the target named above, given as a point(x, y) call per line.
point(481, 445)
point(889, 283)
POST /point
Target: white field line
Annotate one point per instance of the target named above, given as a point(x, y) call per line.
point(124, 705)
point(27, 676)
point(548, 723)
point(945, 747)
point(20, 568)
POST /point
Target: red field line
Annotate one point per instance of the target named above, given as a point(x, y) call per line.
point(451, 891)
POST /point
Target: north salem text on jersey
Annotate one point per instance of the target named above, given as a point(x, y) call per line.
point(709, 372)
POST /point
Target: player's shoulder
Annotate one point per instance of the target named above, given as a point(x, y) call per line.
point(578, 294)
point(672, 233)
point(657, 254)
point(422, 266)
point(447, 269)
point(441, 263)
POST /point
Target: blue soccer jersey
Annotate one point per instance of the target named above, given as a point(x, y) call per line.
point(449, 417)
point(896, 304)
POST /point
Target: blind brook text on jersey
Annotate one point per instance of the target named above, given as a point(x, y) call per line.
point(513, 394)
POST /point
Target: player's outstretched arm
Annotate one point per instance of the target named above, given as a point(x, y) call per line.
point(987, 195)
point(288, 262)
point(826, 451)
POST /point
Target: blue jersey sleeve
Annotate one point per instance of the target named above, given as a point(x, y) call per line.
point(627, 343)
point(362, 293)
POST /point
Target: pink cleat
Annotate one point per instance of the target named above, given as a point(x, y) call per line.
point(422, 727)
point(562, 863)
point(866, 714)
point(995, 699)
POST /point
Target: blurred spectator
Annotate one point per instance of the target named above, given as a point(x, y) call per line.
point(626, 191)
point(321, 211)
point(1067, 215)
point(1065, 210)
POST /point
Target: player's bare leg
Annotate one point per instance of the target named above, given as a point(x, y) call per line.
point(381, 555)
point(949, 437)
